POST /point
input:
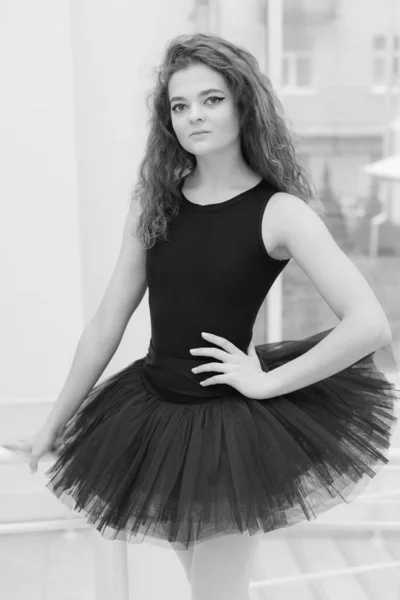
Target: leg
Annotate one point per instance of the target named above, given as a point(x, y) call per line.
point(222, 567)
point(185, 558)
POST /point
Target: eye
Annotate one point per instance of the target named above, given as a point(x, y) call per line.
point(210, 98)
point(216, 98)
point(175, 107)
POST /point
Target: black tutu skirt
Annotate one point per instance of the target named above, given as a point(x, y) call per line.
point(152, 456)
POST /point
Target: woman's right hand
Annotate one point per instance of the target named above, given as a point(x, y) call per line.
point(34, 447)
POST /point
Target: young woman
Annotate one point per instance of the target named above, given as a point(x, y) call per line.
point(208, 442)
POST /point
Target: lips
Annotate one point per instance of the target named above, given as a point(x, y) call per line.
point(197, 132)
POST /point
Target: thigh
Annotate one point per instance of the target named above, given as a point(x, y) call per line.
point(222, 567)
point(185, 558)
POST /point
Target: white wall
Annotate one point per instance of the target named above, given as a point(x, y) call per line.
point(40, 264)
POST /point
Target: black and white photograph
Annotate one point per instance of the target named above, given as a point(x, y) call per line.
point(200, 300)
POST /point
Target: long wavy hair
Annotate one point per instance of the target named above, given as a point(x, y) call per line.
point(267, 145)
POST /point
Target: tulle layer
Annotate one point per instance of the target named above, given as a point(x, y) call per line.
point(175, 467)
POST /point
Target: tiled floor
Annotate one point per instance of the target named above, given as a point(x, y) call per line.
point(51, 566)
point(46, 566)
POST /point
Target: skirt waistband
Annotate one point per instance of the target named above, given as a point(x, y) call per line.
point(171, 378)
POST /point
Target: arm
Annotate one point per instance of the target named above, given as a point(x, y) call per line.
point(102, 336)
point(363, 325)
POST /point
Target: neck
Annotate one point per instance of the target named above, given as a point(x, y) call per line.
point(217, 171)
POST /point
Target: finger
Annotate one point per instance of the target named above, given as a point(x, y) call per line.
point(221, 367)
point(215, 380)
point(33, 464)
point(8, 445)
point(14, 446)
point(214, 352)
point(221, 341)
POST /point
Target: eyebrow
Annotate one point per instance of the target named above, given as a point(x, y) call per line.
point(203, 93)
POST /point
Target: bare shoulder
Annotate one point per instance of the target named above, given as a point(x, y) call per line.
point(284, 216)
point(133, 216)
point(292, 225)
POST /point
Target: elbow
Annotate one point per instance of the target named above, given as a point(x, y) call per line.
point(382, 332)
point(387, 336)
point(376, 329)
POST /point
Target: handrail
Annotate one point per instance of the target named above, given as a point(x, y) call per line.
point(295, 579)
point(70, 524)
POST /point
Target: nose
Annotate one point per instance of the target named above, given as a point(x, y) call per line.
point(195, 114)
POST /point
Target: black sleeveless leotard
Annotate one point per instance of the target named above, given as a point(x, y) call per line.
point(212, 275)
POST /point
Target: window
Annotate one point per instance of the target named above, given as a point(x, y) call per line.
point(296, 72)
point(385, 62)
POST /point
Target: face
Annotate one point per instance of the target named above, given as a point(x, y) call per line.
point(194, 108)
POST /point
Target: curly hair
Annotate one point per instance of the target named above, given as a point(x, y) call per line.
point(266, 142)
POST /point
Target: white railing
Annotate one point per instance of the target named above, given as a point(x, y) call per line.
point(375, 223)
point(296, 579)
point(119, 551)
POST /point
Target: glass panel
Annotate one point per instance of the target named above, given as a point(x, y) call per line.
point(396, 67)
point(379, 68)
point(341, 127)
point(285, 71)
point(380, 42)
point(303, 71)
